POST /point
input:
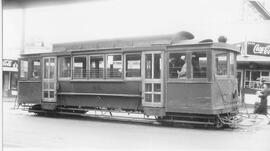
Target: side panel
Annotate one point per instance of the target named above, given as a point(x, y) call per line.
point(29, 92)
point(224, 94)
point(99, 100)
point(114, 102)
point(123, 87)
point(189, 98)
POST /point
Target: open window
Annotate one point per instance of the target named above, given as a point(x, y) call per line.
point(133, 65)
point(64, 65)
point(114, 67)
point(79, 67)
point(199, 65)
point(35, 69)
point(178, 65)
point(222, 64)
point(96, 67)
point(232, 63)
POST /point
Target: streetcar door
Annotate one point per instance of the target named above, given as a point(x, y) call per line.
point(152, 83)
point(49, 79)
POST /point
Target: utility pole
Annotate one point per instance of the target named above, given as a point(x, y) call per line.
point(22, 51)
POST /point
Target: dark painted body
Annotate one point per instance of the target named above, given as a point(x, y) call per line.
point(210, 96)
point(89, 94)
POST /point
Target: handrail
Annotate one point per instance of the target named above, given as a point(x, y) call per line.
point(98, 94)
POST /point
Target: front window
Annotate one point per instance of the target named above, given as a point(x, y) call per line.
point(79, 67)
point(114, 66)
point(222, 64)
point(35, 68)
point(133, 65)
point(24, 69)
point(177, 65)
point(64, 67)
point(96, 66)
point(232, 63)
point(199, 64)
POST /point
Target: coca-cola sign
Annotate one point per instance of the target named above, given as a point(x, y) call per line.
point(256, 48)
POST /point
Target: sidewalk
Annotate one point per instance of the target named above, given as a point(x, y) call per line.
point(8, 99)
point(250, 99)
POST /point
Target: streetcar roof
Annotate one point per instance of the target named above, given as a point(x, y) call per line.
point(181, 39)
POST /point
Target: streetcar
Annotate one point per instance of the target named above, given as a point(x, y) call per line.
point(172, 78)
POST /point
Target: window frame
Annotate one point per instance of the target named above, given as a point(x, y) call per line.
point(31, 67)
point(125, 65)
point(86, 62)
point(235, 64)
point(89, 66)
point(207, 65)
point(58, 67)
point(26, 78)
point(109, 78)
point(227, 63)
point(188, 74)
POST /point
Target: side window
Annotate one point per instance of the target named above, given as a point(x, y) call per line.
point(133, 65)
point(35, 69)
point(177, 65)
point(79, 67)
point(24, 69)
point(232, 63)
point(114, 67)
point(199, 65)
point(221, 64)
point(96, 66)
point(64, 65)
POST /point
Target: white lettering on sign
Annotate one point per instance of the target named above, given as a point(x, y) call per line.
point(261, 50)
point(7, 63)
point(136, 64)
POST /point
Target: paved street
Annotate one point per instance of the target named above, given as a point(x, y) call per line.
point(24, 131)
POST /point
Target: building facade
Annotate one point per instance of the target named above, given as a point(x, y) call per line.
point(10, 77)
point(253, 67)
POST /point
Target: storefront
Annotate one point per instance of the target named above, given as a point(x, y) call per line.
point(10, 77)
point(253, 68)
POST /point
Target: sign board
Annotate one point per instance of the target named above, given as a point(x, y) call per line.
point(256, 48)
point(10, 65)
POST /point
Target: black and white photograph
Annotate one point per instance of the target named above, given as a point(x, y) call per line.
point(135, 75)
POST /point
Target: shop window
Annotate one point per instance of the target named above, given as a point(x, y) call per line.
point(177, 65)
point(199, 64)
point(265, 76)
point(133, 65)
point(232, 63)
point(96, 67)
point(24, 69)
point(255, 75)
point(79, 66)
point(254, 79)
point(64, 67)
point(222, 64)
point(35, 68)
point(14, 80)
point(114, 66)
